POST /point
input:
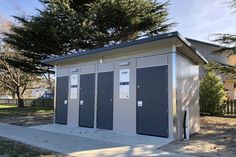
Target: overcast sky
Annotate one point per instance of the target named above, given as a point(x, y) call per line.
point(196, 19)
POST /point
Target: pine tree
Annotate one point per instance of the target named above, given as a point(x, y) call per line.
point(228, 48)
point(211, 95)
point(69, 26)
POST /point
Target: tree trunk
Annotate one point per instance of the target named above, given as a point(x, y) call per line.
point(49, 81)
point(20, 102)
point(13, 95)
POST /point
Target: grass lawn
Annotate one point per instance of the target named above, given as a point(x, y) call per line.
point(27, 116)
point(13, 111)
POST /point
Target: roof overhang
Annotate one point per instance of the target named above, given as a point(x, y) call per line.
point(173, 38)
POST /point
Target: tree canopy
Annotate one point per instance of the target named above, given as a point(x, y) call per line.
point(228, 71)
point(228, 42)
point(228, 47)
point(69, 26)
point(13, 80)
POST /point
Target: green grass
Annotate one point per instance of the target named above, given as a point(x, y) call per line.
point(7, 106)
point(13, 111)
point(14, 149)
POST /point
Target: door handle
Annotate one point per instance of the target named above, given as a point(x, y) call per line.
point(65, 102)
point(111, 100)
point(140, 103)
point(81, 102)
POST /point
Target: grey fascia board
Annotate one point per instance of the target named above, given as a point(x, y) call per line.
point(123, 45)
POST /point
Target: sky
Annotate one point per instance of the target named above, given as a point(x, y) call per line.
point(197, 19)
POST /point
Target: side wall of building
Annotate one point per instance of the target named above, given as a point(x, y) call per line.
point(187, 93)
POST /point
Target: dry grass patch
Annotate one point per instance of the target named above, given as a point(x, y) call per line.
point(9, 148)
point(217, 137)
point(27, 116)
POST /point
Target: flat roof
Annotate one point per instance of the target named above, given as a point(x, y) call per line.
point(163, 36)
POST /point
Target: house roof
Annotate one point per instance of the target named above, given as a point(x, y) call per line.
point(159, 37)
point(203, 42)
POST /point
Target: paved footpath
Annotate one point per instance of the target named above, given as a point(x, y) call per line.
point(76, 146)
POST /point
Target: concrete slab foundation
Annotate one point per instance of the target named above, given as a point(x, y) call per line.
point(107, 135)
point(79, 146)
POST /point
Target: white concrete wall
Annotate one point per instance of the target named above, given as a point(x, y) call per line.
point(73, 107)
point(124, 114)
point(187, 93)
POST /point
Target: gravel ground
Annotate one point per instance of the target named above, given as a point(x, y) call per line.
point(217, 137)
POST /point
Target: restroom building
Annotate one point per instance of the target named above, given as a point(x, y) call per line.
point(138, 87)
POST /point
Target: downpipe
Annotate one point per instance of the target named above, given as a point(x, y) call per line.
point(185, 111)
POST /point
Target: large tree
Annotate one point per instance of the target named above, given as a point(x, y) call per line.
point(13, 79)
point(69, 26)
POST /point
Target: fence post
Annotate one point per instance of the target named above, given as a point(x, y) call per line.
point(231, 107)
point(228, 107)
point(234, 108)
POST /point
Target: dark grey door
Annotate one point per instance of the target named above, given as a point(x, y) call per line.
point(152, 101)
point(62, 100)
point(87, 93)
point(105, 101)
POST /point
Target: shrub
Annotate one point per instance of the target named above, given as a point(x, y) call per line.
point(212, 95)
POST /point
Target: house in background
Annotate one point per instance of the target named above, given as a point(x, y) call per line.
point(38, 89)
point(38, 92)
point(206, 50)
point(6, 97)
